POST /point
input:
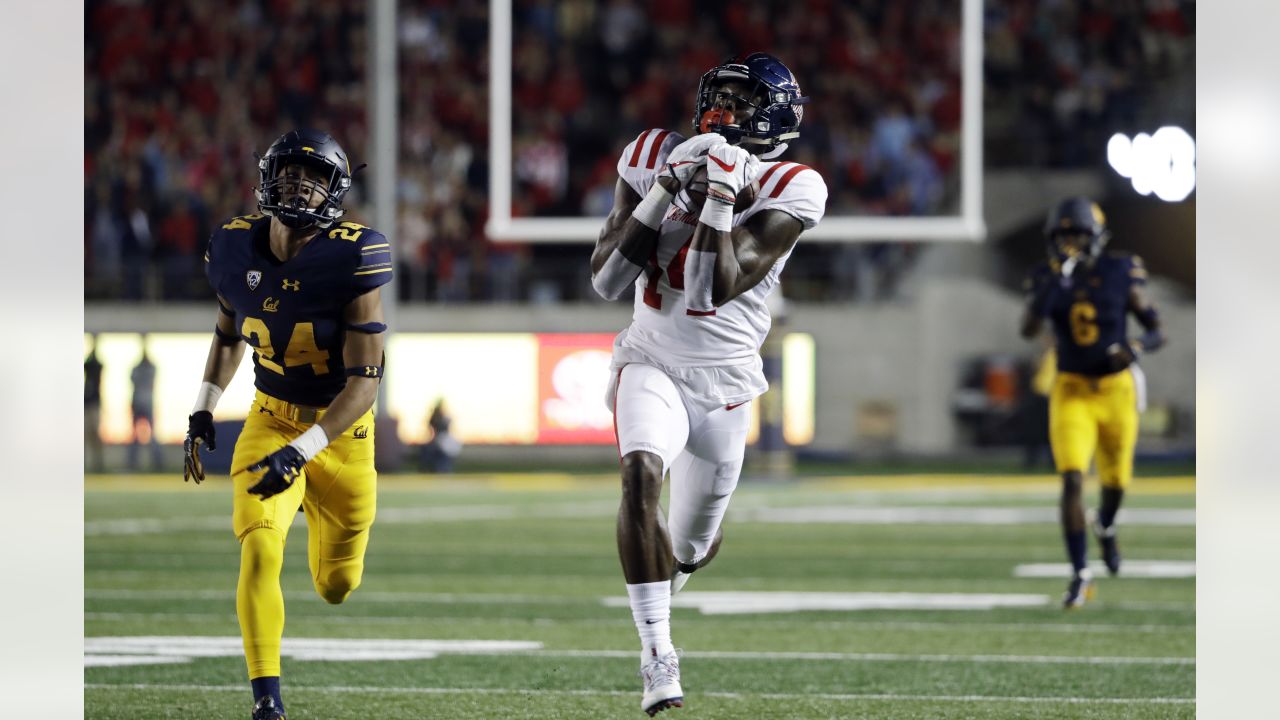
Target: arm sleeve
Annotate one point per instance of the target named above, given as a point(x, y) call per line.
point(644, 156)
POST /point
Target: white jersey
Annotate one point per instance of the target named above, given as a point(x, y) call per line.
point(663, 330)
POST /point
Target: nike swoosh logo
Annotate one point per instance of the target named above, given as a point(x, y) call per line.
point(730, 407)
point(650, 622)
point(726, 168)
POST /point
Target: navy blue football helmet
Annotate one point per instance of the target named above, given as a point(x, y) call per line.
point(775, 103)
point(316, 150)
point(1076, 215)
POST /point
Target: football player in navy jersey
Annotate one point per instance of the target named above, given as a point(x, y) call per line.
point(301, 288)
point(1087, 295)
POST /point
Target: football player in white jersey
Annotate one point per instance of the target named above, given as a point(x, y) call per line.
point(702, 227)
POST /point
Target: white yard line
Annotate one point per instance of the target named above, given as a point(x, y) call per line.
point(521, 599)
point(945, 515)
point(1145, 569)
point(826, 514)
point(736, 603)
point(847, 697)
point(1066, 628)
point(112, 650)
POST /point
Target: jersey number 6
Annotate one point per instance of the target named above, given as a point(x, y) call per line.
point(1084, 323)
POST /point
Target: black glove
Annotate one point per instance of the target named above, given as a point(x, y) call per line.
point(1120, 356)
point(199, 430)
point(283, 467)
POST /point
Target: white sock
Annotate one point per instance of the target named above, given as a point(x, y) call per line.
point(651, 609)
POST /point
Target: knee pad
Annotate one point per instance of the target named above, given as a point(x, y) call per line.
point(338, 583)
point(262, 549)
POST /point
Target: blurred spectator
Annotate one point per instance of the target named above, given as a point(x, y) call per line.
point(179, 94)
point(93, 409)
point(143, 378)
point(440, 452)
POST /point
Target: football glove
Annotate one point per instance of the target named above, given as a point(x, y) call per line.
point(1120, 356)
point(688, 156)
point(283, 467)
point(199, 431)
point(729, 169)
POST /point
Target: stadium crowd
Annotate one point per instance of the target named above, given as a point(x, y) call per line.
point(174, 114)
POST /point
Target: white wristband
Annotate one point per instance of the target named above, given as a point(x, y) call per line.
point(207, 398)
point(717, 215)
point(311, 442)
point(653, 206)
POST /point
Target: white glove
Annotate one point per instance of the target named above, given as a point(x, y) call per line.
point(729, 169)
point(688, 156)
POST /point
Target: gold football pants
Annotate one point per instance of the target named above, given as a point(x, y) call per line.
point(1088, 414)
point(337, 491)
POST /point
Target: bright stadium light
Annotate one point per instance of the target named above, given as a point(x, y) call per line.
point(1163, 163)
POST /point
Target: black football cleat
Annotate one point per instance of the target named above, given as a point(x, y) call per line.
point(1110, 549)
point(1079, 590)
point(265, 709)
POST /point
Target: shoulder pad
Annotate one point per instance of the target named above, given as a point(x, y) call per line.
point(795, 189)
point(641, 159)
point(231, 231)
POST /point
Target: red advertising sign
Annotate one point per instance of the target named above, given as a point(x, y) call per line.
point(573, 375)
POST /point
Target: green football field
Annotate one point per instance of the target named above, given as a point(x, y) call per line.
point(500, 596)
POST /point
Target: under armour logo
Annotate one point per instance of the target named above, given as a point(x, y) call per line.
point(370, 371)
point(291, 284)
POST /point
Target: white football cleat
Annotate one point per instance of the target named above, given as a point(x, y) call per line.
point(661, 676)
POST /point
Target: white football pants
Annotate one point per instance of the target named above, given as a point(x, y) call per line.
point(701, 447)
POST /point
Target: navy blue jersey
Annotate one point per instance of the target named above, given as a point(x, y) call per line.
point(1091, 313)
point(291, 312)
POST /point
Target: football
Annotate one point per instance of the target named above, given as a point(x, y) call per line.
point(697, 191)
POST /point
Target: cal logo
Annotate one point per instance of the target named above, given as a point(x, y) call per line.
point(291, 284)
point(361, 432)
point(253, 277)
point(270, 305)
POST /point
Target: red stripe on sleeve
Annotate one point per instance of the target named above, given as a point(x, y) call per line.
point(777, 190)
point(699, 313)
point(657, 145)
point(635, 154)
point(769, 173)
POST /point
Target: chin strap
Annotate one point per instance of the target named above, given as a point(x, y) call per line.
point(775, 152)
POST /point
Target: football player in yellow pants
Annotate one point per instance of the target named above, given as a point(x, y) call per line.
point(1087, 295)
point(302, 290)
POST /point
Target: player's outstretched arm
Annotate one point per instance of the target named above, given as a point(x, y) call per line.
point(225, 353)
point(362, 355)
point(628, 238)
point(1041, 289)
point(227, 349)
point(721, 265)
point(1121, 355)
point(1145, 310)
